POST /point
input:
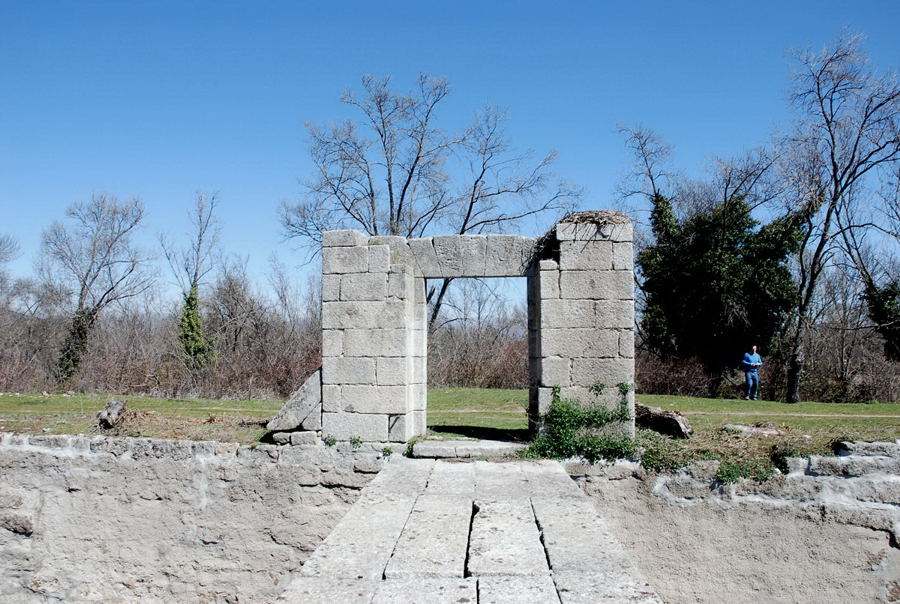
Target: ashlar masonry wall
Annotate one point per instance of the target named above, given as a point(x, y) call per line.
point(374, 318)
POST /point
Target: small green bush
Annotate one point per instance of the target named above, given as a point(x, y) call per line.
point(732, 471)
point(356, 442)
point(566, 426)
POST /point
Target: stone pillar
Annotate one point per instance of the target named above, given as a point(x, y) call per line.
point(581, 314)
point(368, 325)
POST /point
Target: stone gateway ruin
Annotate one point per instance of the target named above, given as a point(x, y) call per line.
point(372, 383)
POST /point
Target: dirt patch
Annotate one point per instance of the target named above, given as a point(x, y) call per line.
point(710, 552)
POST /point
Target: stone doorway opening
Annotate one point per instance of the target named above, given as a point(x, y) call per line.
point(477, 368)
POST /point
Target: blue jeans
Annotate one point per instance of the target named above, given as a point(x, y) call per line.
point(752, 378)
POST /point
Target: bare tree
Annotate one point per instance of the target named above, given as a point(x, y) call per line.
point(191, 264)
point(388, 174)
point(849, 131)
point(93, 257)
point(9, 248)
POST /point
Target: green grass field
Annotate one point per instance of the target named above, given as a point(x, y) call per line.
point(453, 412)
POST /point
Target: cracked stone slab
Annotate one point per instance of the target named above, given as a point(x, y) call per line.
point(450, 478)
point(517, 590)
point(435, 539)
point(505, 540)
point(576, 538)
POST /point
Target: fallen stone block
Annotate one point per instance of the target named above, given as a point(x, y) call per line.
point(670, 423)
point(305, 404)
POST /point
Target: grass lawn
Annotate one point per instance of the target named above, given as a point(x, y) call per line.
point(240, 421)
point(481, 413)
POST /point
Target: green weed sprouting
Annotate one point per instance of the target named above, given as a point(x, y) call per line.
point(356, 442)
point(329, 441)
point(567, 423)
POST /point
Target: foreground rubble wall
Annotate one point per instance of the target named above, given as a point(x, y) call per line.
point(825, 531)
point(114, 519)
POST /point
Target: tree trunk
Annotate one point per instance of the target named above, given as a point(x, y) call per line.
point(75, 343)
point(795, 366)
point(436, 307)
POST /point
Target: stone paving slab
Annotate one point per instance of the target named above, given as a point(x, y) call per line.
point(517, 590)
point(412, 537)
point(451, 478)
point(575, 538)
point(361, 545)
point(550, 479)
point(435, 539)
point(505, 481)
point(465, 449)
point(329, 590)
point(591, 588)
point(425, 591)
point(505, 540)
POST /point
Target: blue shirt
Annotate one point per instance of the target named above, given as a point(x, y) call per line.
point(749, 360)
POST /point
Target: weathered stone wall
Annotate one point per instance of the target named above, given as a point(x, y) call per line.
point(581, 313)
point(826, 531)
point(117, 519)
point(374, 338)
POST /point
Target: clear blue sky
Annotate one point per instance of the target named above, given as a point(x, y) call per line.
point(160, 99)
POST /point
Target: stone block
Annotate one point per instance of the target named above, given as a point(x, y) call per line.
point(307, 437)
point(585, 255)
point(548, 284)
point(399, 428)
point(623, 256)
point(400, 252)
point(331, 397)
point(331, 287)
point(419, 342)
point(376, 342)
point(419, 397)
point(567, 313)
point(461, 255)
point(597, 285)
point(281, 438)
point(364, 286)
point(614, 226)
point(626, 343)
point(344, 426)
point(346, 238)
point(340, 260)
point(579, 342)
point(373, 399)
point(426, 260)
point(390, 371)
point(363, 314)
point(379, 258)
point(306, 400)
point(400, 282)
point(548, 265)
point(555, 371)
point(418, 418)
point(507, 255)
point(332, 342)
point(348, 370)
point(419, 292)
point(610, 372)
point(615, 313)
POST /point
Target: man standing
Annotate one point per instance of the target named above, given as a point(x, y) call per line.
point(751, 364)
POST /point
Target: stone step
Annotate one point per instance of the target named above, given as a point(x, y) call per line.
point(465, 449)
point(437, 531)
point(882, 449)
